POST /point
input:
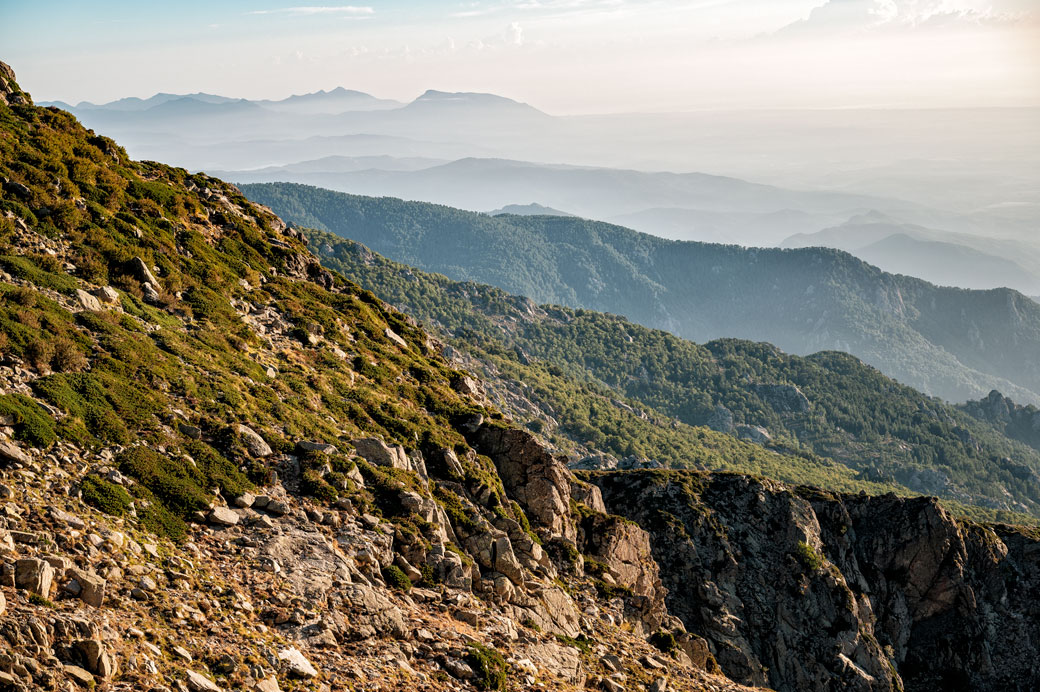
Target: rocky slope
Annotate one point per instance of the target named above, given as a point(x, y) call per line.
point(804, 590)
point(224, 467)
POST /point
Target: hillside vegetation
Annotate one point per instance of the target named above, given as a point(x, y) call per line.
point(226, 467)
point(830, 417)
point(953, 343)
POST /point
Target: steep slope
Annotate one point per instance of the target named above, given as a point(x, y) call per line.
point(953, 343)
point(813, 411)
point(874, 593)
point(224, 466)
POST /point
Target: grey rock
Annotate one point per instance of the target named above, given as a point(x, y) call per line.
point(106, 294)
point(255, 444)
point(200, 683)
point(191, 431)
point(88, 301)
point(304, 446)
point(752, 433)
point(223, 516)
point(89, 587)
point(245, 500)
point(142, 273)
point(34, 575)
point(296, 664)
point(372, 614)
point(10, 453)
point(377, 452)
point(595, 462)
point(393, 336)
point(81, 677)
point(783, 398)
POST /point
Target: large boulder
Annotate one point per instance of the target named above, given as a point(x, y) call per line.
point(255, 445)
point(377, 452)
point(34, 575)
point(623, 548)
point(89, 587)
point(531, 476)
point(371, 613)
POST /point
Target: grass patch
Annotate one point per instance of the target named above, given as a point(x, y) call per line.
point(489, 666)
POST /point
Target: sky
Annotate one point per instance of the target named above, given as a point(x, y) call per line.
point(563, 56)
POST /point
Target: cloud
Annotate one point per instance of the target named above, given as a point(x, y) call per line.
point(347, 10)
point(515, 34)
point(840, 16)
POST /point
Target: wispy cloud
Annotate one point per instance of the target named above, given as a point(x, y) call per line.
point(347, 10)
point(867, 15)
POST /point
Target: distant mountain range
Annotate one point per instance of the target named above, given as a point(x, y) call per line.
point(532, 209)
point(337, 100)
point(599, 193)
point(863, 427)
point(954, 343)
point(948, 259)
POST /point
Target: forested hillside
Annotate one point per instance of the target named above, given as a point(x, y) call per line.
point(828, 407)
point(954, 343)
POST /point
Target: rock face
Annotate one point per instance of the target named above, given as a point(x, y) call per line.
point(9, 91)
point(624, 549)
point(825, 592)
point(531, 475)
point(784, 398)
point(1019, 422)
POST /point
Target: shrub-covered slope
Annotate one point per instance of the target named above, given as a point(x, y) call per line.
point(949, 342)
point(223, 466)
point(823, 412)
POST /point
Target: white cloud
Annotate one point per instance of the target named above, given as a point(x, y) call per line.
point(349, 10)
point(516, 34)
point(836, 16)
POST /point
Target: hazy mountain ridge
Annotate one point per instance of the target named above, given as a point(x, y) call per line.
point(951, 259)
point(956, 343)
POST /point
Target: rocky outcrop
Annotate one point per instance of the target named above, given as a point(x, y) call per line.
point(1019, 422)
point(10, 93)
point(530, 475)
point(783, 398)
point(621, 549)
point(813, 591)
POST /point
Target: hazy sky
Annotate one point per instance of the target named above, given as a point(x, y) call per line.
point(564, 56)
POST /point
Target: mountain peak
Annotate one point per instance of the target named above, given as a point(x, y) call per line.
point(433, 96)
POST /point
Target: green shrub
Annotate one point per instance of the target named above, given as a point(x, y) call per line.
point(38, 600)
point(489, 666)
point(664, 642)
point(810, 558)
point(31, 423)
point(176, 483)
point(581, 642)
point(105, 495)
point(396, 579)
